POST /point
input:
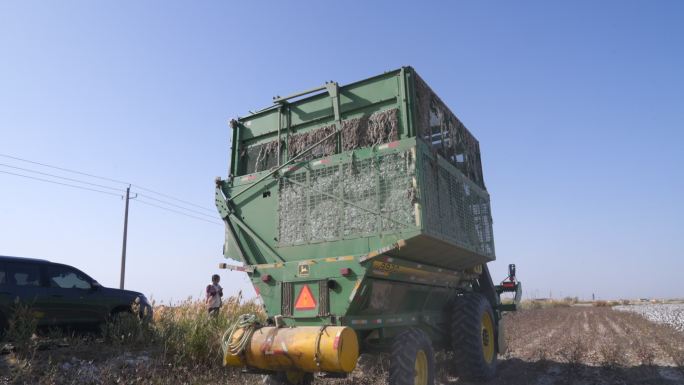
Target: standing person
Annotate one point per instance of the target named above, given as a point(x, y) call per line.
point(214, 294)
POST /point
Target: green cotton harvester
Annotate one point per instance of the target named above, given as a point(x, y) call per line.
point(361, 216)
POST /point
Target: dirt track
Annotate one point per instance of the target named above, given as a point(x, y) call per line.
point(589, 345)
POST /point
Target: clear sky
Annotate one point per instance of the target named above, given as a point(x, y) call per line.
point(578, 106)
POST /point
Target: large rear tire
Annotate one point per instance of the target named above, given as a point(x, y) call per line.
point(413, 360)
point(4, 325)
point(288, 378)
point(473, 336)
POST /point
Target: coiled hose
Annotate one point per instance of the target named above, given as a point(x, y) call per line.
point(248, 323)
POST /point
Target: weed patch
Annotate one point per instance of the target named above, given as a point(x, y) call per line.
point(21, 327)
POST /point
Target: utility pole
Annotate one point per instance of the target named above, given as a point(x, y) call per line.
point(125, 236)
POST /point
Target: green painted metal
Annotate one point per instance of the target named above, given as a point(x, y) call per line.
point(369, 195)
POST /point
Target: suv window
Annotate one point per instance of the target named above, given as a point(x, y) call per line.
point(66, 278)
point(21, 274)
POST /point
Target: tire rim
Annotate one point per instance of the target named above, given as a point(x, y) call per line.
point(488, 337)
point(421, 368)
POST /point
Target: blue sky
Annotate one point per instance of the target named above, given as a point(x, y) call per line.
point(578, 106)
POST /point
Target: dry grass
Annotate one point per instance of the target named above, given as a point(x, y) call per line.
point(181, 342)
point(548, 303)
point(22, 327)
point(606, 303)
point(181, 345)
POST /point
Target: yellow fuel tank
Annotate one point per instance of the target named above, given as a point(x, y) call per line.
point(309, 349)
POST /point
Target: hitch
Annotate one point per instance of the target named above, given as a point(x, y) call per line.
point(510, 285)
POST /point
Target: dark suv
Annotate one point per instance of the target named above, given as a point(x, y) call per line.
point(61, 295)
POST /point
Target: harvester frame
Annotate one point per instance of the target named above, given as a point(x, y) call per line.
point(359, 222)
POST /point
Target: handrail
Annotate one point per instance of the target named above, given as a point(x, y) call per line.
point(278, 99)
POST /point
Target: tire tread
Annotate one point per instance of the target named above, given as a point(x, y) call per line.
point(402, 362)
point(466, 340)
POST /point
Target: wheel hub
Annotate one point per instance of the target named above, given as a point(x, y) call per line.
point(488, 337)
point(421, 377)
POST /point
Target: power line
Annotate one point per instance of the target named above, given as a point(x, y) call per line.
point(215, 216)
point(107, 179)
point(170, 197)
point(176, 211)
point(60, 183)
point(63, 169)
point(109, 193)
point(60, 177)
point(128, 190)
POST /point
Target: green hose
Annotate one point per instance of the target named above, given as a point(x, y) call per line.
point(249, 324)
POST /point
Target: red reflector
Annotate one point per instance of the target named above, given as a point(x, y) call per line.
point(266, 277)
point(306, 300)
point(345, 271)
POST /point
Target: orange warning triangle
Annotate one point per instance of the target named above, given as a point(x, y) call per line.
point(306, 300)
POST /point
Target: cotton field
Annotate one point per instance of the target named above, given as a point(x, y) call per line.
point(670, 314)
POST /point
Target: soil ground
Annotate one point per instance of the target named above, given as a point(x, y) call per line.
point(562, 345)
point(589, 345)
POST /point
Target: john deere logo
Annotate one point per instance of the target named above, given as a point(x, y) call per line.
point(303, 270)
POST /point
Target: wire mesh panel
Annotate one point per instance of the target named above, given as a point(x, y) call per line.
point(483, 226)
point(358, 198)
point(324, 203)
point(377, 195)
point(397, 194)
point(292, 208)
point(456, 210)
point(429, 196)
point(360, 188)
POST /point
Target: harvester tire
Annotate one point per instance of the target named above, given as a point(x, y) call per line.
point(283, 378)
point(413, 360)
point(473, 336)
point(4, 325)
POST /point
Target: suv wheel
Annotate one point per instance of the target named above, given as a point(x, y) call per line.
point(3, 325)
